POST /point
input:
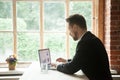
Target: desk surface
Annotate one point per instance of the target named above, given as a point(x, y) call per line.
point(34, 73)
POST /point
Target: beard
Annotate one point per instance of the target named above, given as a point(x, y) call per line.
point(75, 38)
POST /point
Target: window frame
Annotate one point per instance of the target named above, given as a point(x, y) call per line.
point(97, 25)
point(98, 19)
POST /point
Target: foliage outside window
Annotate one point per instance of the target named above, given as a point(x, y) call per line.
point(38, 24)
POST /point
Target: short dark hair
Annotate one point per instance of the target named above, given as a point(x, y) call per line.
point(78, 20)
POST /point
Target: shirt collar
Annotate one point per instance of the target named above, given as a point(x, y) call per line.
point(81, 36)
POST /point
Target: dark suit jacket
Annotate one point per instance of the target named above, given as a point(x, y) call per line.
point(91, 57)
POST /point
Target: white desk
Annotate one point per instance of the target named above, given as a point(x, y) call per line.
point(34, 73)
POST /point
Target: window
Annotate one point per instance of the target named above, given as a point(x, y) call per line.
point(6, 29)
point(27, 30)
point(28, 25)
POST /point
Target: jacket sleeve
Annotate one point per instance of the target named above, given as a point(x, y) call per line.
point(76, 63)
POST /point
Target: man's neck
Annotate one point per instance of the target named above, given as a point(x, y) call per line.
point(81, 33)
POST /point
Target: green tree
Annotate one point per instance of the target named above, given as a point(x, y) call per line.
point(5, 9)
point(54, 16)
point(29, 11)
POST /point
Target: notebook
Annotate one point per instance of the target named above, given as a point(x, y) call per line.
point(45, 57)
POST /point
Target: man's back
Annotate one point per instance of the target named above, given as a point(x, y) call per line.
point(96, 58)
point(91, 58)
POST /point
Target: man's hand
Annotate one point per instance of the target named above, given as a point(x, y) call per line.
point(54, 65)
point(61, 60)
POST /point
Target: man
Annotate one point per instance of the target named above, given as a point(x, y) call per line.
point(90, 56)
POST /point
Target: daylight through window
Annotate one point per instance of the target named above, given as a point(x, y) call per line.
point(28, 25)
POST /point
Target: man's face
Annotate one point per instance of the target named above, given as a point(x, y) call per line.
point(73, 31)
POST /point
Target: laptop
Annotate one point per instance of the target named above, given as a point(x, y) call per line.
point(45, 57)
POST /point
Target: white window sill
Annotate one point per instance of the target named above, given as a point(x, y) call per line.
point(6, 74)
point(19, 64)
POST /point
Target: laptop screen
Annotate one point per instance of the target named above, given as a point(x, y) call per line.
point(44, 56)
